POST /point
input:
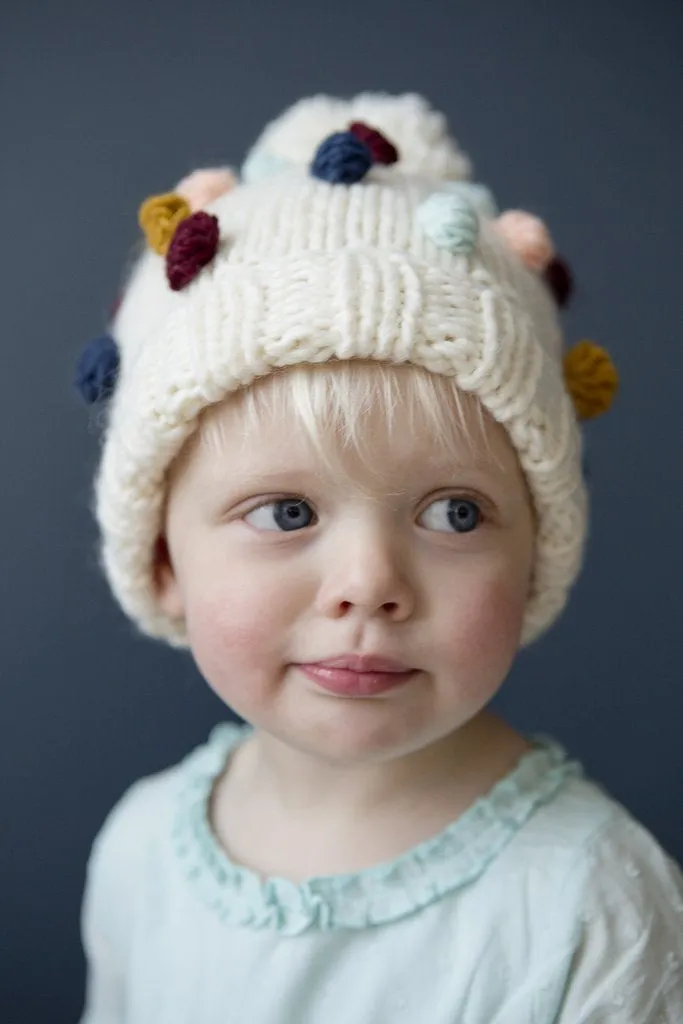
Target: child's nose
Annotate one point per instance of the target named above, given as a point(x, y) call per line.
point(367, 574)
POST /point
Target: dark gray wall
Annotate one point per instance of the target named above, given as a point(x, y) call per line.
point(570, 110)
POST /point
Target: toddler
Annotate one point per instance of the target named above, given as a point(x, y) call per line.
point(342, 466)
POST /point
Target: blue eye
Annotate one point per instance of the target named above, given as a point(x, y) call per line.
point(287, 514)
point(452, 514)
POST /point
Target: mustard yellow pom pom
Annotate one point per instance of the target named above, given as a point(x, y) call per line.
point(591, 379)
point(159, 216)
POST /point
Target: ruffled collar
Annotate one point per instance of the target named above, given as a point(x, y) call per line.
point(375, 895)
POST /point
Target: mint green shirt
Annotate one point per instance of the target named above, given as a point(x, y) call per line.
point(546, 901)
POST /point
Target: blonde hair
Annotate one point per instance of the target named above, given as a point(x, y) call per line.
point(331, 401)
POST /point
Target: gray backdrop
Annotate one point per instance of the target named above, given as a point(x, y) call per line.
point(569, 110)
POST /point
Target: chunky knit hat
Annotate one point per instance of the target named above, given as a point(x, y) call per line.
point(353, 231)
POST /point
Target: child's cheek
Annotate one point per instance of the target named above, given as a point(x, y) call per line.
point(486, 624)
point(230, 638)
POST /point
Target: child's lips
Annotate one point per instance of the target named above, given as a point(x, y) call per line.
point(364, 663)
point(358, 675)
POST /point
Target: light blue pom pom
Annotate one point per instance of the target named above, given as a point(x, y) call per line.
point(260, 164)
point(450, 220)
point(478, 195)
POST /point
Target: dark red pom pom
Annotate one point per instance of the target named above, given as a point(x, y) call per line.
point(560, 281)
point(383, 151)
point(115, 306)
point(194, 244)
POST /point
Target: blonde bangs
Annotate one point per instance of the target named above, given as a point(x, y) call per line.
point(332, 403)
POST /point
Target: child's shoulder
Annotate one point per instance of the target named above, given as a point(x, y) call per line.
point(618, 905)
point(593, 840)
point(605, 900)
point(130, 852)
point(145, 808)
point(611, 863)
point(581, 855)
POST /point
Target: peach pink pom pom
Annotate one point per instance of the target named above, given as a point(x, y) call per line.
point(203, 186)
point(528, 237)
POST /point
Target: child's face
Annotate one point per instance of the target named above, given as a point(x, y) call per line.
point(396, 562)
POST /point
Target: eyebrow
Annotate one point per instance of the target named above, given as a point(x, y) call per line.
point(302, 477)
point(255, 477)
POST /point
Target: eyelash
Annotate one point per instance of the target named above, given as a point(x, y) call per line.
point(477, 501)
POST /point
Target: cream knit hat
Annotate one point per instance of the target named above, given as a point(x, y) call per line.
point(353, 233)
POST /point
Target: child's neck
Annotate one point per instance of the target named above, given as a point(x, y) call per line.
point(284, 813)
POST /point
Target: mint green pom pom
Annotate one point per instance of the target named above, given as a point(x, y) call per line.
point(478, 195)
point(260, 164)
point(450, 221)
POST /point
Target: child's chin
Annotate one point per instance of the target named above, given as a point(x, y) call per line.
point(354, 732)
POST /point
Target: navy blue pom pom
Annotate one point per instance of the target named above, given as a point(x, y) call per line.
point(97, 369)
point(342, 159)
